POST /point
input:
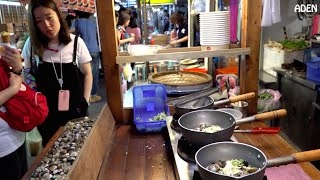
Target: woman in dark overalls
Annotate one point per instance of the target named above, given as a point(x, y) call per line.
point(179, 35)
point(57, 58)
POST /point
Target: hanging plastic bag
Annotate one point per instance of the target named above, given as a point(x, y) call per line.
point(33, 142)
point(268, 100)
point(127, 72)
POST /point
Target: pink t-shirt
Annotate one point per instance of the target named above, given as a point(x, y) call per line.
point(136, 32)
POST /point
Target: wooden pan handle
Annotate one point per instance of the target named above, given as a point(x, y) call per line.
point(242, 97)
point(271, 115)
point(307, 156)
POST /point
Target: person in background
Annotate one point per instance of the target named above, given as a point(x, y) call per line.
point(134, 29)
point(117, 16)
point(165, 24)
point(124, 38)
point(65, 79)
point(179, 36)
point(86, 27)
point(13, 158)
point(70, 19)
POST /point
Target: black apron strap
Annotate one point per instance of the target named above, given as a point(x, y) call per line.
point(75, 49)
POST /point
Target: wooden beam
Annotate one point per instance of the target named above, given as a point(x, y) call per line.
point(188, 53)
point(250, 37)
point(109, 48)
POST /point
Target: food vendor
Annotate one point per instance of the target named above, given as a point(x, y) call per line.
point(179, 36)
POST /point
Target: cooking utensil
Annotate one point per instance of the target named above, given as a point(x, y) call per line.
point(193, 104)
point(192, 120)
point(224, 151)
point(182, 82)
point(260, 130)
point(185, 98)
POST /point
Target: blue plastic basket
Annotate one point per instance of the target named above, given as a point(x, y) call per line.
point(149, 101)
point(311, 55)
point(313, 71)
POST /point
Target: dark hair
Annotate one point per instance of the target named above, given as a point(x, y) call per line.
point(82, 14)
point(177, 18)
point(134, 14)
point(123, 17)
point(123, 9)
point(69, 19)
point(39, 41)
point(133, 22)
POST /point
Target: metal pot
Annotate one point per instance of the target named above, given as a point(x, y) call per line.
point(192, 120)
point(198, 102)
point(162, 68)
point(140, 72)
point(224, 151)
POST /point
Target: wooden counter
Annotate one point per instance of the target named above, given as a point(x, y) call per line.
point(273, 146)
point(148, 157)
point(137, 156)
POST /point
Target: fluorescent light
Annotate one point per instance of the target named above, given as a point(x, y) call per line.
point(10, 3)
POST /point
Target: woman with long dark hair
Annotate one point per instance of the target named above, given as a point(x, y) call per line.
point(133, 28)
point(124, 38)
point(61, 64)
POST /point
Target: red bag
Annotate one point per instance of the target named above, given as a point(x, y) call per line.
point(27, 109)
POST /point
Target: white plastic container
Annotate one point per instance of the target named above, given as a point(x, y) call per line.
point(273, 58)
point(140, 50)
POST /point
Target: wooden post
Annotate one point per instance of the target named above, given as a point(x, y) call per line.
point(250, 37)
point(145, 22)
point(109, 48)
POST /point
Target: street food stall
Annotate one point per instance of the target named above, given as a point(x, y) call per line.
point(115, 149)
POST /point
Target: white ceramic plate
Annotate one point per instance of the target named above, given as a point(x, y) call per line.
point(193, 66)
point(188, 61)
point(211, 30)
point(214, 36)
point(214, 44)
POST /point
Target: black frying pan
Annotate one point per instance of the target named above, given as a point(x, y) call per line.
point(206, 102)
point(233, 150)
point(192, 120)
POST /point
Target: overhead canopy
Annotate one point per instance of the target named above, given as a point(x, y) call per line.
point(80, 5)
point(159, 1)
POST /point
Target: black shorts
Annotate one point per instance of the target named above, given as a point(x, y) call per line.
point(13, 166)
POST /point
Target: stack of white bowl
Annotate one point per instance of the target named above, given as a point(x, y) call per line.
point(215, 28)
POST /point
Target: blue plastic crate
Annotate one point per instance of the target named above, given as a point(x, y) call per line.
point(148, 101)
point(313, 71)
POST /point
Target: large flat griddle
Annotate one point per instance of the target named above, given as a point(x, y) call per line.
point(182, 82)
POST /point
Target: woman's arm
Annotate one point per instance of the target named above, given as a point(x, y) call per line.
point(138, 36)
point(86, 71)
point(184, 39)
point(14, 87)
point(123, 41)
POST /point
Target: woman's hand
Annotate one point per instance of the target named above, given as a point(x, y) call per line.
point(15, 82)
point(131, 39)
point(13, 58)
point(173, 42)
